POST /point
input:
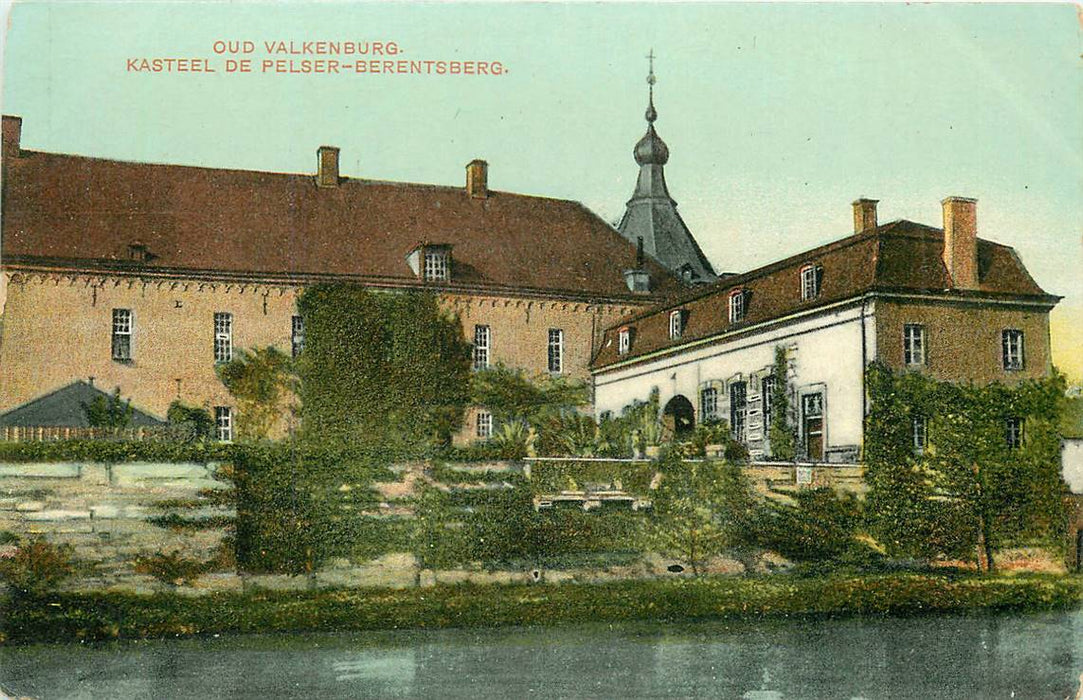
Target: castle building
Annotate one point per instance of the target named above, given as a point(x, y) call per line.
point(651, 219)
point(145, 276)
point(939, 301)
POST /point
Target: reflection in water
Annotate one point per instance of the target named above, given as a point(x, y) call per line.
point(1022, 656)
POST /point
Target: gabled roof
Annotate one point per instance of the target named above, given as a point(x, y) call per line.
point(74, 211)
point(64, 408)
point(901, 257)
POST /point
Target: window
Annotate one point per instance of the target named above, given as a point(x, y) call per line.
point(708, 401)
point(223, 423)
point(485, 424)
point(737, 305)
point(436, 264)
point(297, 335)
point(122, 335)
point(914, 344)
point(624, 341)
point(556, 350)
point(812, 276)
point(738, 406)
point(482, 336)
point(1012, 348)
point(919, 432)
point(767, 389)
point(223, 337)
point(1013, 433)
point(676, 324)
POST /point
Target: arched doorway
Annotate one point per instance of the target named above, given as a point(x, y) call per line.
point(678, 418)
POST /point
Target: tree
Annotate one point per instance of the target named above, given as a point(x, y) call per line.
point(781, 433)
point(701, 508)
point(112, 412)
point(383, 370)
point(265, 387)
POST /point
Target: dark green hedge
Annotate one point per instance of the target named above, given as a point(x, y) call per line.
point(96, 616)
point(116, 452)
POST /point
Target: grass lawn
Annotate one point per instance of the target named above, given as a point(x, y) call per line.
point(92, 616)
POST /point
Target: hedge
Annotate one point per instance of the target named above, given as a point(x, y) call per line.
point(97, 616)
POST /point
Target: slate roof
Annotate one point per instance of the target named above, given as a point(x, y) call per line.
point(64, 408)
point(84, 213)
point(899, 257)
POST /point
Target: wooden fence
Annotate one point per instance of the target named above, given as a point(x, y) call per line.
point(49, 433)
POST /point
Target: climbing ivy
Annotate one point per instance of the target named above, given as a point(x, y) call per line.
point(782, 434)
point(967, 492)
point(380, 369)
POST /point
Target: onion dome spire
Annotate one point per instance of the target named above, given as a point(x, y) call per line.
point(651, 149)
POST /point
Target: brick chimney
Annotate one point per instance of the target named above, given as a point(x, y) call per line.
point(961, 241)
point(864, 214)
point(477, 179)
point(327, 166)
point(13, 132)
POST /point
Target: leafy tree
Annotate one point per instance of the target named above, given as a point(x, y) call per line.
point(264, 385)
point(781, 434)
point(299, 504)
point(112, 412)
point(388, 370)
point(701, 508)
point(432, 541)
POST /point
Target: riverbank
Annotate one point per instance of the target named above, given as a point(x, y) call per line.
point(99, 616)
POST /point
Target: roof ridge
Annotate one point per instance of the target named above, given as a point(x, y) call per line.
point(346, 179)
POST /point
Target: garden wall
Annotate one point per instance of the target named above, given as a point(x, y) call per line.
point(112, 513)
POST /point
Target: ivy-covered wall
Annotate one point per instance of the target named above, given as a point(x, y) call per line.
point(960, 470)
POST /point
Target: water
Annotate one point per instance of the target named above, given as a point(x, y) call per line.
point(987, 656)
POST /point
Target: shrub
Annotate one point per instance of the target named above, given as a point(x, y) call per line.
point(299, 504)
point(172, 568)
point(821, 525)
point(193, 423)
point(36, 567)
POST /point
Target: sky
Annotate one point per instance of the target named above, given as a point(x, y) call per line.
point(777, 116)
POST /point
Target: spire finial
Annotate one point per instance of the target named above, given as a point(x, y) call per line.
point(652, 114)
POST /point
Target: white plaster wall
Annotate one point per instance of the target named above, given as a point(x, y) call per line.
point(1071, 457)
point(827, 349)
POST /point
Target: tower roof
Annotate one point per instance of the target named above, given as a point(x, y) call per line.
point(652, 215)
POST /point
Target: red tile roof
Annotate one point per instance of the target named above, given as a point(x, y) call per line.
point(74, 211)
point(901, 257)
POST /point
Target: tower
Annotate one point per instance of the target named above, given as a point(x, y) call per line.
point(651, 214)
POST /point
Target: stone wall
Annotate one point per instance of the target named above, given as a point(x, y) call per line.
point(106, 511)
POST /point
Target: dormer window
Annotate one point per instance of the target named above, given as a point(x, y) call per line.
point(436, 264)
point(812, 277)
point(138, 251)
point(624, 341)
point(676, 324)
point(737, 305)
point(431, 262)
